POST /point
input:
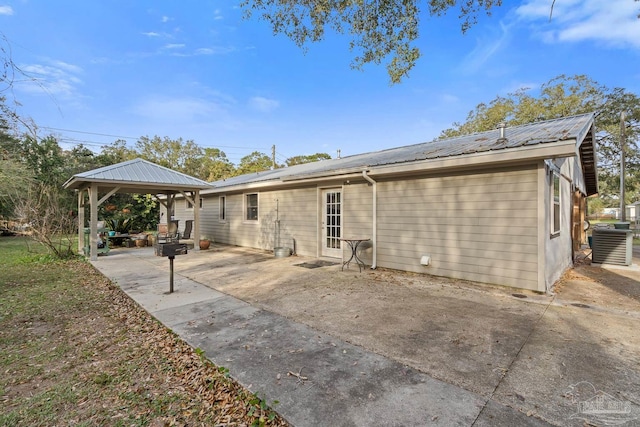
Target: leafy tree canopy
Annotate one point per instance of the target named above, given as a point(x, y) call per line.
point(378, 29)
point(255, 162)
point(565, 96)
point(298, 160)
point(171, 153)
point(215, 165)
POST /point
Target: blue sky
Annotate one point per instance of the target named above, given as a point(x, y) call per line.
point(116, 69)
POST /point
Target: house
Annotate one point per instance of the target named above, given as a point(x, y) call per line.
point(503, 207)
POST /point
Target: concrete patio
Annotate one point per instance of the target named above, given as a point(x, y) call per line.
point(389, 348)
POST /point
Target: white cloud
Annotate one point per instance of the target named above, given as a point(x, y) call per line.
point(613, 22)
point(449, 98)
point(217, 15)
point(218, 50)
point(6, 10)
point(486, 48)
point(151, 34)
point(55, 78)
point(174, 46)
point(178, 110)
point(66, 66)
point(165, 19)
point(262, 104)
point(204, 51)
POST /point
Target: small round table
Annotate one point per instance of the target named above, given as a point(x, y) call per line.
point(353, 243)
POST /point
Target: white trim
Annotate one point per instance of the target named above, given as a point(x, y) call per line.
point(543, 198)
point(553, 232)
point(324, 250)
point(245, 220)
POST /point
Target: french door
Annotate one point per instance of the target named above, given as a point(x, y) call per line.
point(332, 223)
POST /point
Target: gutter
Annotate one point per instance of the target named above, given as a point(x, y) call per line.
point(374, 238)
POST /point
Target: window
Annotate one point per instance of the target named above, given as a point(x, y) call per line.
point(190, 206)
point(251, 207)
point(223, 208)
point(555, 204)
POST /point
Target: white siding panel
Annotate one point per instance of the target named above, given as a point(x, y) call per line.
point(478, 226)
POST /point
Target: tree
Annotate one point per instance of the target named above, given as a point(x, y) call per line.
point(45, 159)
point(117, 152)
point(215, 165)
point(298, 160)
point(379, 29)
point(559, 97)
point(564, 96)
point(254, 162)
point(176, 154)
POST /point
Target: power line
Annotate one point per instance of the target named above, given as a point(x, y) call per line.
point(207, 145)
point(88, 133)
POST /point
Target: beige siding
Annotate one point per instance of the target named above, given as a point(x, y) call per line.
point(357, 217)
point(296, 210)
point(480, 226)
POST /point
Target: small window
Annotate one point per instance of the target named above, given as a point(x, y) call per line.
point(555, 205)
point(223, 208)
point(251, 207)
point(190, 206)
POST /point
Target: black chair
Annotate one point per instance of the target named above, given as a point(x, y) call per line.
point(188, 226)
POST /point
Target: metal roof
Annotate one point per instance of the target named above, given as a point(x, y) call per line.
point(534, 134)
point(137, 174)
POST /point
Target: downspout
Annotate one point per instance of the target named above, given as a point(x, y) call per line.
point(374, 238)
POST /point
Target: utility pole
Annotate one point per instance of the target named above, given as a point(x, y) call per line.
point(273, 156)
point(623, 206)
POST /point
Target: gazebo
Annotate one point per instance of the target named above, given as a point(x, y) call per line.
point(133, 176)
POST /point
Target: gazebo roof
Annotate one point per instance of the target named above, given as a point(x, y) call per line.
point(136, 176)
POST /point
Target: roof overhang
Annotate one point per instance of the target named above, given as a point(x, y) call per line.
point(589, 161)
point(136, 176)
point(501, 158)
point(517, 156)
point(130, 187)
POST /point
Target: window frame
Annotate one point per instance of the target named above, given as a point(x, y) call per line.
point(222, 208)
point(555, 198)
point(188, 206)
point(245, 200)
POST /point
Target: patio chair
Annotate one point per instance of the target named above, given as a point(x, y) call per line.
point(168, 233)
point(188, 226)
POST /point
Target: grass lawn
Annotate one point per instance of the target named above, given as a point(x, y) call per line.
point(75, 350)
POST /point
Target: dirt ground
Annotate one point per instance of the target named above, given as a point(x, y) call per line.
point(524, 349)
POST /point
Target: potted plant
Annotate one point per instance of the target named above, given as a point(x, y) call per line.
point(204, 242)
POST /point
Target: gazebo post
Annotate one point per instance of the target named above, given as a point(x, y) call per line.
point(81, 222)
point(196, 221)
point(93, 233)
point(170, 208)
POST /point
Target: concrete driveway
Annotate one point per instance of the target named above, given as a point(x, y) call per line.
point(563, 359)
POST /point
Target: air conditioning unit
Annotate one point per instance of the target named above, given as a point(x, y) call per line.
point(612, 246)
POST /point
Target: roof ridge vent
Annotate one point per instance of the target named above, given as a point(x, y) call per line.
point(501, 127)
